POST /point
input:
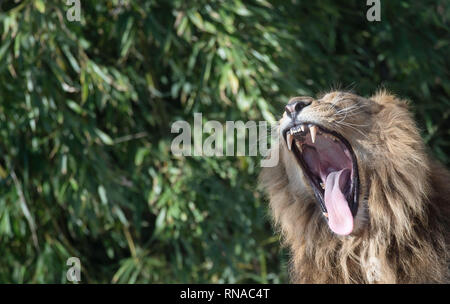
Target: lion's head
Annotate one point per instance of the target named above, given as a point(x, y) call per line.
point(353, 180)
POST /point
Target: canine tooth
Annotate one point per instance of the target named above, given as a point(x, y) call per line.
point(303, 128)
point(289, 139)
point(299, 146)
point(325, 214)
point(313, 130)
point(322, 185)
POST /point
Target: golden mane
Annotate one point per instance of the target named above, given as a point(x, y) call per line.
point(404, 210)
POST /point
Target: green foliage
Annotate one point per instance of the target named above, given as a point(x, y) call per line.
point(86, 110)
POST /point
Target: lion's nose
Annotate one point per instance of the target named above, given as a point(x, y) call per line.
point(296, 105)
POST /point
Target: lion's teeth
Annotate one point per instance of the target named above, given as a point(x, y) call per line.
point(289, 139)
point(313, 130)
point(329, 136)
point(294, 130)
point(322, 185)
point(299, 146)
point(303, 128)
point(325, 214)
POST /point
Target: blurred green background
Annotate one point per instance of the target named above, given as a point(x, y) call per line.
point(86, 110)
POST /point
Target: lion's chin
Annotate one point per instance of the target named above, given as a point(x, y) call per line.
point(330, 166)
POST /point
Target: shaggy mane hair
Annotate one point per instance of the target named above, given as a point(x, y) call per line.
point(402, 233)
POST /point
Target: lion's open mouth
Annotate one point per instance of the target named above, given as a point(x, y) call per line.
point(331, 168)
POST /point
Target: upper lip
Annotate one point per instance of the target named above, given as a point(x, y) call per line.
point(304, 128)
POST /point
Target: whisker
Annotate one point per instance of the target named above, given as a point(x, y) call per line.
point(352, 107)
point(356, 125)
point(356, 129)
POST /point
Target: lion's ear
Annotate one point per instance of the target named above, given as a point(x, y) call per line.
point(385, 98)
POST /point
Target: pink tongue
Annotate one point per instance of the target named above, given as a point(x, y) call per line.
point(340, 218)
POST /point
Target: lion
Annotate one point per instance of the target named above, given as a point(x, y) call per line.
point(355, 195)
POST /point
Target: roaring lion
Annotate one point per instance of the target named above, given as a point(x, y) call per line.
point(355, 195)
